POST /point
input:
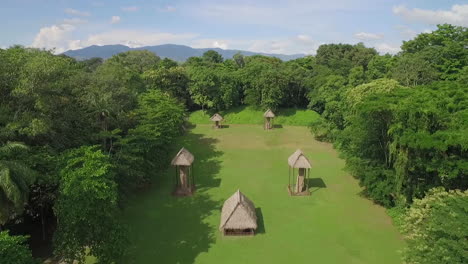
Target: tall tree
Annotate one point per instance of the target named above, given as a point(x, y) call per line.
point(86, 209)
point(15, 179)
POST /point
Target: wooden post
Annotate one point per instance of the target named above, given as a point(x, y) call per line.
point(300, 180)
point(183, 177)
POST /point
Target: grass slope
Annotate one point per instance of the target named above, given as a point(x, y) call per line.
point(333, 225)
point(250, 115)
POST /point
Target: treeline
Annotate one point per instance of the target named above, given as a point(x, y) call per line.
point(77, 137)
point(401, 123)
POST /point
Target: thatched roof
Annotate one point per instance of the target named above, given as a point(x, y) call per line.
point(269, 113)
point(216, 117)
point(183, 158)
point(238, 213)
point(299, 160)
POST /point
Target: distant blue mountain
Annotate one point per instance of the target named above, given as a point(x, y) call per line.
point(175, 52)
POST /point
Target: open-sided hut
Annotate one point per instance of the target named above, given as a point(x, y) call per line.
point(269, 116)
point(298, 185)
point(238, 216)
point(216, 118)
point(184, 180)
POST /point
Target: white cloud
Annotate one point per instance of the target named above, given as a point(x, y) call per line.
point(115, 20)
point(167, 9)
point(457, 15)
point(74, 21)
point(133, 38)
point(368, 36)
point(54, 37)
point(130, 8)
point(293, 45)
point(384, 48)
point(75, 12)
point(298, 44)
point(210, 43)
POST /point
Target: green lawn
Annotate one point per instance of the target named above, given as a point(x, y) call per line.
point(250, 115)
point(333, 225)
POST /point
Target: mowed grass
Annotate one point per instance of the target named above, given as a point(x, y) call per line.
point(251, 115)
point(333, 225)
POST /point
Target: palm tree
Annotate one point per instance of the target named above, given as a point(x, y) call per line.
point(15, 179)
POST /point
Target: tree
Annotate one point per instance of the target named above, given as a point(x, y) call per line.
point(444, 48)
point(86, 209)
point(145, 150)
point(173, 80)
point(15, 179)
point(204, 87)
point(379, 67)
point(137, 61)
point(13, 250)
point(435, 228)
point(239, 59)
point(212, 56)
point(412, 70)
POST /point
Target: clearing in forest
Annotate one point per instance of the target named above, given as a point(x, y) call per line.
point(333, 225)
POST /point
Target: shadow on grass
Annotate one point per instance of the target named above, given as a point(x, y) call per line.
point(316, 184)
point(260, 223)
point(167, 229)
point(224, 126)
point(277, 126)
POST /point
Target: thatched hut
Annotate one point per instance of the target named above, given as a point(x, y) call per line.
point(299, 185)
point(217, 119)
point(269, 116)
point(238, 216)
point(184, 180)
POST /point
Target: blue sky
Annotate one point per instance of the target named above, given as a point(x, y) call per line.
point(288, 26)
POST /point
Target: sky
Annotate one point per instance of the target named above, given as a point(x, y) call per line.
point(272, 26)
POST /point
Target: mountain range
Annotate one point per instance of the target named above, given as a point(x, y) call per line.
point(172, 51)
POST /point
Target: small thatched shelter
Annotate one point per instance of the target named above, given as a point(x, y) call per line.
point(238, 216)
point(269, 116)
point(184, 180)
point(217, 119)
point(299, 185)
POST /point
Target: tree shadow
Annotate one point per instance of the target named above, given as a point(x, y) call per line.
point(260, 222)
point(168, 229)
point(316, 184)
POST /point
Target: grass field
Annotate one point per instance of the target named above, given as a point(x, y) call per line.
point(333, 225)
point(250, 115)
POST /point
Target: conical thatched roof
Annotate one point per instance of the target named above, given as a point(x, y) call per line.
point(299, 160)
point(269, 113)
point(183, 158)
point(238, 213)
point(216, 117)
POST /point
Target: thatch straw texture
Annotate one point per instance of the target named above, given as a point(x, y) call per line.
point(183, 158)
point(269, 113)
point(216, 117)
point(238, 213)
point(299, 160)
